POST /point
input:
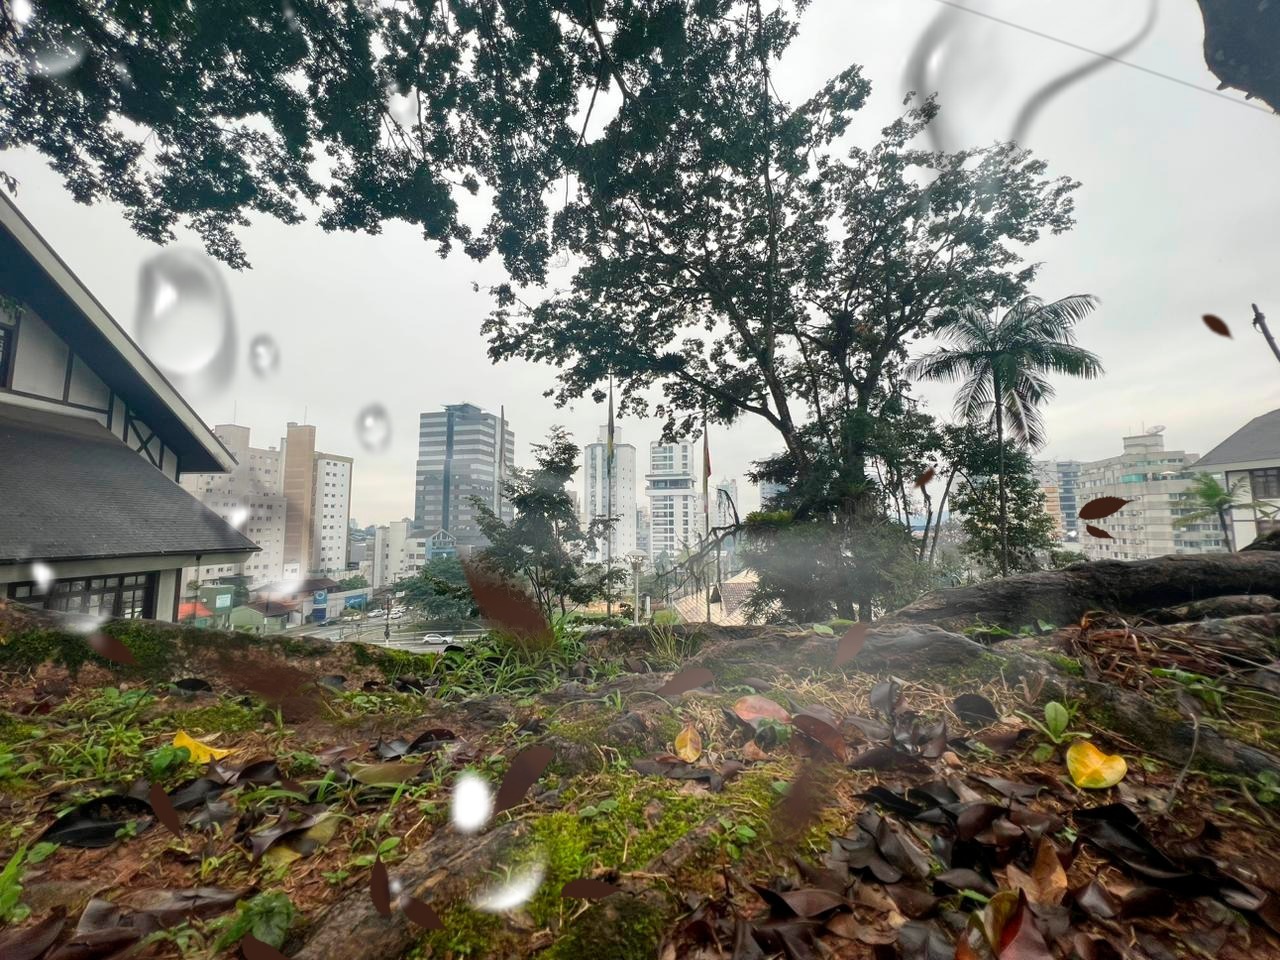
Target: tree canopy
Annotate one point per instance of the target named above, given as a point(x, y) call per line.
point(204, 113)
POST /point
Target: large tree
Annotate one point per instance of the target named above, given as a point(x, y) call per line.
point(204, 113)
point(738, 254)
point(1002, 365)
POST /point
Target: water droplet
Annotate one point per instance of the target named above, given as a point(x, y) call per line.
point(471, 804)
point(42, 573)
point(238, 517)
point(373, 427)
point(264, 355)
point(184, 322)
point(83, 623)
point(21, 12)
point(57, 57)
point(290, 16)
point(519, 889)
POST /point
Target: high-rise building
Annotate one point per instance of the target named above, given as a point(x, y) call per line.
point(249, 498)
point(299, 488)
point(463, 452)
point(1158, 484)
point(398, 553)
point(610, 493)
point(675, 498)
point(643, 544)
point(331, 514)
point(1058, 480)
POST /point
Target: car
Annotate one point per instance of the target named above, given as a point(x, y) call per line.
point(397, 614)
point(435, 638)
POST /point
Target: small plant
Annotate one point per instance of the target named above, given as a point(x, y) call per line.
point(735, 837)
point(1209, 691)
point(594, 810)
point(386, 853)
point(669, 647)
point(1055, 728)
point(267, 916)
point(164, 762)
point(1268, 787)
point(12, 767)
point(12, 909)
point(771, 732)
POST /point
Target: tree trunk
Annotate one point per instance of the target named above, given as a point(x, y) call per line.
point(1226, 529)
point(937, 526)
point(1125, 586)
point(1004, 503)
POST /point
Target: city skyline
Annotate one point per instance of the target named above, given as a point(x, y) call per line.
point(355, 316)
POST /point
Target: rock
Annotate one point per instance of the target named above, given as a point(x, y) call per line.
point(903, 646)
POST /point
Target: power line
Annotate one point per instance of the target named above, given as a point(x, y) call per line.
point(1104, 56)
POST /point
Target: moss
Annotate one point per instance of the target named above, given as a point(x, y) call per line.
point(982, 668)
point(466, 933)
point(393, 663)
point(1068, 665)
point(224, 717)
point(630, 926)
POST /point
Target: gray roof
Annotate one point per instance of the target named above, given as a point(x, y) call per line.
point(1259, 439)
point(70, 490)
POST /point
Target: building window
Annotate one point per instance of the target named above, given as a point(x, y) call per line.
point(126, 597)
point(1265, 484)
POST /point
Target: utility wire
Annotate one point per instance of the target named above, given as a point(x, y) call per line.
point(1105, 56)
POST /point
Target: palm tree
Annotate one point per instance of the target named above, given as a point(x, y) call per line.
point(1216, 500)
point(1003, 365)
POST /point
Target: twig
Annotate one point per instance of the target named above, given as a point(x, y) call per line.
point(1195, 743)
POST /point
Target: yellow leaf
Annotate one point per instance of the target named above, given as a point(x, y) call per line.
point(688, 744)
point(1092, 769)
point(200, 752)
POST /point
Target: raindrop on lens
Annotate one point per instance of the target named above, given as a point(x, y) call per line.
point(519, 889)
point(373, 428)
point(21, 12)
point(58, 59)
point(42, 573)
point(471, 804)
point(264, 355)
point(185, 323)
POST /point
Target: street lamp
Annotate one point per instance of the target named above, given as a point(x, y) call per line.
point(637, 559)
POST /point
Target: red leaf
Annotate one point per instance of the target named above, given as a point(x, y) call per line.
point(422, 914)
point(380, 888)
point(1217, 325)
point(526, 767)
point(163, 807)
point(924, 478)
point(109, 648)
point(585, 889)
point(255, 949)
point(686, 680)
point(1097, 532)
point(1101, 507)
point(851, 643)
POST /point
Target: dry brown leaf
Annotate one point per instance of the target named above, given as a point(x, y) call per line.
point(754, 707)
point(1217, 325)
point(688, 744)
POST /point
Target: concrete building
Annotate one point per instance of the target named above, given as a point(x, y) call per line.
point(643, 542)
point(249, 498)
point(1046, 475)
point(399, 552)
point(1251, 454)
point(93, 439)
point(599, 497)
point(1058, 479)
point(331, 515)
point(1158, 481)
point(675, 498)
point(463, 452)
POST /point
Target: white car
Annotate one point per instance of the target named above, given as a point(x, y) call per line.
point(435, 638)
point(397, 614)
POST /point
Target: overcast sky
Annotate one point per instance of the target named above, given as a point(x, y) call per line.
point(1176, 219)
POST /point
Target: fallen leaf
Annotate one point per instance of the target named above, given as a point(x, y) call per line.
point(422, 914)
point(964, 879)
point(975, 710)
point(1021, 938)
point(380, 888)
point(171, 907)
point(754, 707)
point(289, 822)
point(526, 767)
point(886, 697)
point(851, 644)
point(111, 648)
point(193, 685)
point(1097, 532)
point(96, 822)
point(1095, 900)
point(688, 744)
point(200, 751)
point(1113, 830)
point(1092, 769)
point(925, 477)
point(504, 604)
point(1217, 325)
point(162, 806)
point(752, 751)
point(686, 680)
point(586, 889)
point(304, 843)
point(1046, 884)
point(384, 774)
point(29, 942)
point(823, 732)
point(1099, 508)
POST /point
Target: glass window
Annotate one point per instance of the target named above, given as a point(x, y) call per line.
point(1265, 483)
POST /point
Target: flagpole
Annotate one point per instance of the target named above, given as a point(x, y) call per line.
point(706, 506)
point(608, 499)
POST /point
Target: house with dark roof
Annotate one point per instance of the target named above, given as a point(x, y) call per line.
point(93, 438)
point(1250, 457)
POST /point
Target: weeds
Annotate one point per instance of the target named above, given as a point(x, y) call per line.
point(670, 647)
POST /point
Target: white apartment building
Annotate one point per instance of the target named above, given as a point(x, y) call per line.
point(1251, 454)
point(676, 520)
point(398, 553)
point(249, 498)
point(331, 515)
point(643, 544)
point(610, 494)
point(1158, 481)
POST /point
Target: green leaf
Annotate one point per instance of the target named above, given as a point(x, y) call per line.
point(823, 629)
point(587, 812)
point(41, 852)
point(1056, 719)
point(1042, 753)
